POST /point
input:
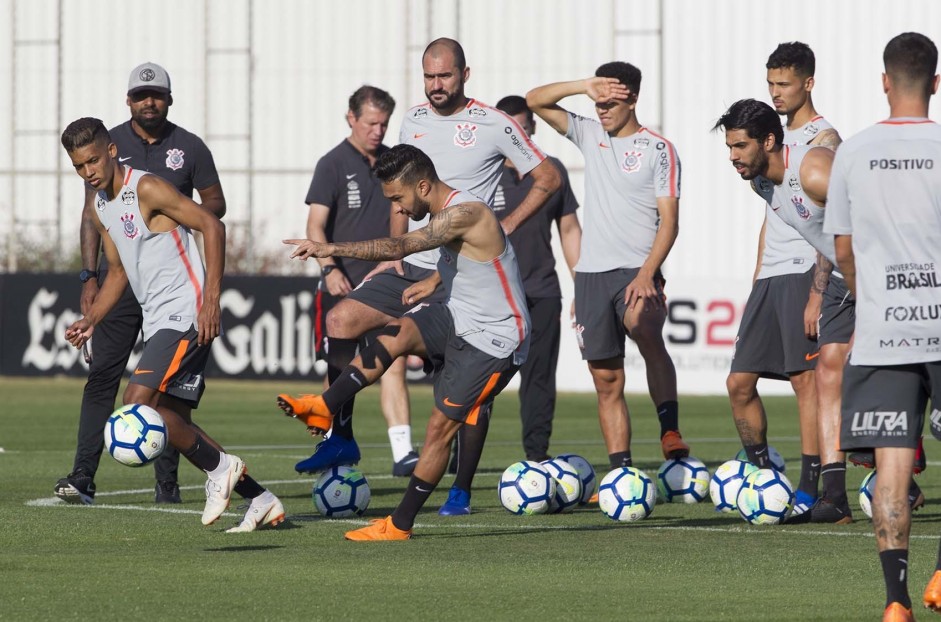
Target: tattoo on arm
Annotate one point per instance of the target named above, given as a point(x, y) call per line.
point(829, 139)
point(440, 230)
point(821, 274)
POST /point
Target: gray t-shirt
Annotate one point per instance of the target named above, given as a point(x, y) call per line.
point(624, 177)
point(885, 191)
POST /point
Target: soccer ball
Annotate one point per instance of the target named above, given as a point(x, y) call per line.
point(341, 491)
point(777, 462)
point(683, 480)
point(568, 486)
point(586, 473)
point(135, 435)
point(766, 497)
point(627, 494)
point(526, 488)
point(866, 488)
point(727, 481)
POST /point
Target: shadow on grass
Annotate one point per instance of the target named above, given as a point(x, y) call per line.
point(245, 549)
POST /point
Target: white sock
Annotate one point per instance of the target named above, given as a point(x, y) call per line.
point(400, 437)
point(223, 465)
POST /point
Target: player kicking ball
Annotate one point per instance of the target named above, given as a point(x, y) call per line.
point(475, 341)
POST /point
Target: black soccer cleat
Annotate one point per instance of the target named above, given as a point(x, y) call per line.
point(77, 487)
point(826, 511)
point(405, 466)
point(167, 492)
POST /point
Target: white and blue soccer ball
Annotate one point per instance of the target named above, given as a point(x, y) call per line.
point(866, 489)
point(341, 491)
point(765, 498)
point(135, 435)
point(727, 481)
point(526, 488)
point(586, 473)
point(627, 494)
point(683, 480)
point(568, 486)
point(777, 462)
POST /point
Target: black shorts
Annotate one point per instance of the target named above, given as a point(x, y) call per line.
point(172, 363)
point(837, 313)
point(383, 291)
point(465, 378)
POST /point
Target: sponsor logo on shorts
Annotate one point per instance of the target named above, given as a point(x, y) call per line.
point(138, 372)
point(187, 382)
point(448, 402)
point(879, 423)
point(810, 357)
point(913, 313)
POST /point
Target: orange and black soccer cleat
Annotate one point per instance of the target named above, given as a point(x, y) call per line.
point(309, 409)
point(379, 529)
point(673, 445)
point(593, 500)
point(895, 612)
point(932, 597)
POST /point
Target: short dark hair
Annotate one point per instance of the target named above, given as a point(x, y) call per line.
point(795, 55)
point(83, 132)
point(911, 58)
point(406, 163)
point(514, 105)
point(453, 46)
point(626, 73)
point(371, 95)
point(757, 118)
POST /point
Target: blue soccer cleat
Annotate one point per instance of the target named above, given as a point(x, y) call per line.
point(458, 503)
point(330, 452)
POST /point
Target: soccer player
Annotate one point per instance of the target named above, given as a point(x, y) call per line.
point(777, 335)
point(885, 211)
point(346, 204)
point(144, 224)
point(632, 198)
point(475, 340)
point(148, 142)
point(532, 243)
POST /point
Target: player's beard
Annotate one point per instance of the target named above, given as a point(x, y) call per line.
point(150, 123)
point(758, 166)
point(448, 103)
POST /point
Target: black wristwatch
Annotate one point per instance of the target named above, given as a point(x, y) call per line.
point(324, 271)
point(85, 275)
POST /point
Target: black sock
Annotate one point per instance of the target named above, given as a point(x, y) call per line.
point(470, 447)
point(834, 482)
point(340, 353)
point(340, 393)
point(248, 488)
point(669, 414)
point(417, 493)
point(810, 474)
point(895, 573)
point(620, 459)
point(203, 455)
point(758, 455)
point(937, 565)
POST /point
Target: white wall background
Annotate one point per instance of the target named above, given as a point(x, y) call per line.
point(266, 84)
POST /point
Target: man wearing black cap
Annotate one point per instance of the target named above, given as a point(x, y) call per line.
point(151, 143)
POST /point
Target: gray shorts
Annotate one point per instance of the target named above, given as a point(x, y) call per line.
point(600, 309)
point(885, 406)
point(172, 363)
point(771, 341)
point(383, 291)
point(465, 378)
point(837, 313)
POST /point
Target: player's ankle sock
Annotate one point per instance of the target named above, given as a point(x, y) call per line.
point(758, 455)
point(620, 459)
point(248, 488)
point(470, 446)
point(340, 353)
point(400, 439)
point(203, 455)
point(338, 399)
point(895, 573)
point(417, 493)
point(834, 481)
point(669, 414)
point(810, 474)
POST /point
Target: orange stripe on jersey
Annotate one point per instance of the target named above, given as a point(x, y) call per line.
point(318, 319)
point(189, 268)
point(817, 118)
point(474, 412)
point(174, 364)
point(454, 193)
point(127, 177)
point(671, 153)
point(787, 156)
point(509, 298)
point(890, 122)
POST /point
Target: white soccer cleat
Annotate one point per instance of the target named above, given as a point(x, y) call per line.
point(219, 488)
point(265, 509)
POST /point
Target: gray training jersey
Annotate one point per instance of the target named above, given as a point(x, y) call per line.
point(885, 191)
point(624, 177)
point(786, 251)
point(164, 269)
point(486, 299)
point(468, 149)
point(789, 202)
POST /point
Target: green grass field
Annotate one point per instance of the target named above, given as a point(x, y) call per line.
point(126, 558)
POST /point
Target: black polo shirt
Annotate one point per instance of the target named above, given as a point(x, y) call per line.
point(345, 183)
point(532, 241)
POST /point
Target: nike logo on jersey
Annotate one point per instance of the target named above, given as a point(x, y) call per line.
point(138, 372)
point(125, 159)
point(448, 402)
point(810, 357)
point(417, 135)
point(351, 176)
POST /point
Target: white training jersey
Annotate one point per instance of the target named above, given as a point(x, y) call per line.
point(486, 299)
point(468, 149)
point(164, 269)
point(789, 202)
point(624, 177)
point(786, 251)
point(885, 191)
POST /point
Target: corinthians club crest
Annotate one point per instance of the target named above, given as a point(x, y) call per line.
point(174, 159)
point(131, 230)
point(466, 135)
point(631, 163)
